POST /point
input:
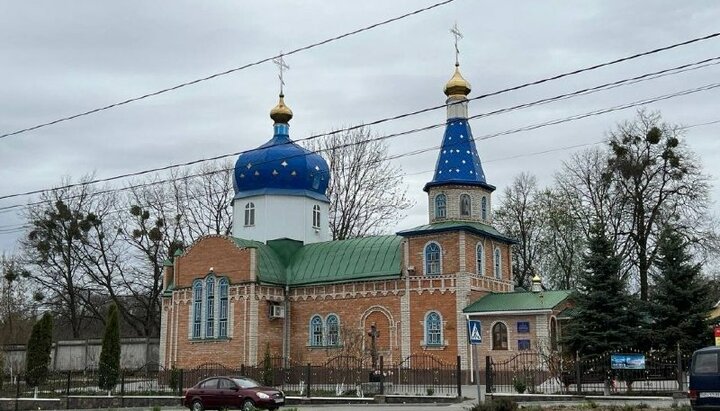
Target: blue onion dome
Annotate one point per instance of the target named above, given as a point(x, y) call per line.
point(280, 166)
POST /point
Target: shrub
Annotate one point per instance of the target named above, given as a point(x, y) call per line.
point(267, 373)
point(430, 391)
point(38, 351)
point(174, 378)
point(109, 367)
point(520, 384)
point(496, 404)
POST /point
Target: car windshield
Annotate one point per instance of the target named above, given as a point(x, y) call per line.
point(246, 382)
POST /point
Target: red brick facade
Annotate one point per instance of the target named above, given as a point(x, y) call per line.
point(398, 308)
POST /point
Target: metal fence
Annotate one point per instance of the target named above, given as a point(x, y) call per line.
point(417, 375)
point(147, 380)
point(534, 372)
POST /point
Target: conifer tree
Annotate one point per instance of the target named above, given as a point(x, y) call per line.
point(38, 351)
point(109, 368)
point(681, 300)
point(605, 320)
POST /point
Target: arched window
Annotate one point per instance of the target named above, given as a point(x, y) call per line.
point(197, 308)
point(432, 259)
point(210, 320)
point(210, 307)
point(479, 259)
point(496, 263)
point(333, 330)
point(483, 208)
point(249, 214)
point(440, 206)
point(553, 334)
point(316, 331)
point(223, 317)
point(500, 337)
point(316, 216)
point(433, 329)
point(465, 209)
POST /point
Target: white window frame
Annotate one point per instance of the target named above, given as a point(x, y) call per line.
point(316, 216)
point(469, 205)
point(497, 263)
point(427, 330)
point(425, 262)
point(444, 205)
point(249, 214)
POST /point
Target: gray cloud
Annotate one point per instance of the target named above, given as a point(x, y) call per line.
point(60, 58)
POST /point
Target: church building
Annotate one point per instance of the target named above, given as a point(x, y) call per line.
point(279, 283)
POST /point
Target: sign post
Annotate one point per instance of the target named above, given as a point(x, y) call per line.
point(474, 331)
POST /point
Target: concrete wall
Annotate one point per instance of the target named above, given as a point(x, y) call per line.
point(85, 354)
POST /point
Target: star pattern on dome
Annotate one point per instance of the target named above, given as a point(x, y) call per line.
point(458, 157)
point(280, 166)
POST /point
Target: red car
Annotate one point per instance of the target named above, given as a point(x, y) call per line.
point(216, 393)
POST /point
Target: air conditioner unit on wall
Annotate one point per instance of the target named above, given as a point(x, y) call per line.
point(277, 311)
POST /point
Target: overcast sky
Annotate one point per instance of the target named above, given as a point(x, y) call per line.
point(58, 58)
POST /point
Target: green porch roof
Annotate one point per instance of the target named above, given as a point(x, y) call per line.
point(473, 227)
point(288, 262)
point(517, 301)
point(568, 313)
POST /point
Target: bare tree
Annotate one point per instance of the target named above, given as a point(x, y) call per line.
point(206, 194)
point(588, 196)
point(659, 180)
point(366, 191)
point(17, 302)
point(520, 216)
point(562, 240)
point(59, 227)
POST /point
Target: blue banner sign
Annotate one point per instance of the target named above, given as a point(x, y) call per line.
point(627, 361)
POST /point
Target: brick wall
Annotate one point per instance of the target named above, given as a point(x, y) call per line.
point(217, 252)
point(452, 194)
point(450, 248)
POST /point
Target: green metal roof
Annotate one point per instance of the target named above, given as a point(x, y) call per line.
point(568, 313)
point(288, 262)
point(518, 301)
point(473, 227)
point(346, 260)
point(269, 267)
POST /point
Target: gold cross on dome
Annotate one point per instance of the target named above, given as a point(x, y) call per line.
point(280, 62)
point(458, 35)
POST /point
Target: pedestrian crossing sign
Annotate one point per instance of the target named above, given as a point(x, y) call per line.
point(474, 332)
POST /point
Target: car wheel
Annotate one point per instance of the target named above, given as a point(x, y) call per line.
point(248, 405)
point(197, 406)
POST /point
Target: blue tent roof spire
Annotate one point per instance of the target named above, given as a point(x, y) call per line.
point(458, 161)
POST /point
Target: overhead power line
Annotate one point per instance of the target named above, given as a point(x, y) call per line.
point(606, 86)
point(16, 228)
point(636, 103)
point(521, 86)
point(226, 72)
